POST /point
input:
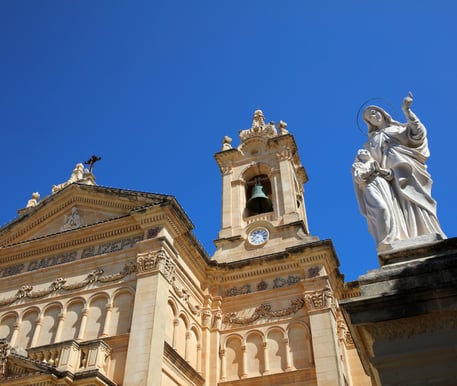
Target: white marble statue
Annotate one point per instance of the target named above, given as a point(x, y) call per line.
point(34, 200)
point(79, 174)
point(392, 184)
point(226, 143)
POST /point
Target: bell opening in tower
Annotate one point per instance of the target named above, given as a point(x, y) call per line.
point(258, 196)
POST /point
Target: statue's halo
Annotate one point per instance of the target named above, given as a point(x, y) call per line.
point(383, 103)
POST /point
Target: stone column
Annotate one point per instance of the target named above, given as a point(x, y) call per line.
point(15, 332)
point(175, 329)
point(186, 347)
point(106, 326)
point(199, 360)
point(148, 332)
point(287, 182)
point(266, 360)
point(59, 327)
point(82, 327)
point(244, 361)
point(320, 305)
point(36, 333)
point(289, 366)
point(226, 197)
point(239, 203)
point(222, 356)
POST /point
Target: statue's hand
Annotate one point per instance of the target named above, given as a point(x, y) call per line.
point(407, 101)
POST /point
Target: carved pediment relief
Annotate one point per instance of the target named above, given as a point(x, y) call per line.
point(75, 207)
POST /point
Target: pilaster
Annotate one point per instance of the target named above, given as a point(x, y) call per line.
point(146, 345)
point(320, 305)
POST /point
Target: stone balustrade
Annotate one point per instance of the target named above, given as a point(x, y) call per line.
point(73, 356)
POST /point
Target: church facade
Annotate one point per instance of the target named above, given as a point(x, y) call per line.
point(105, 286)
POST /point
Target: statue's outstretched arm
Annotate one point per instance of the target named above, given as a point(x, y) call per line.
point(416, 129)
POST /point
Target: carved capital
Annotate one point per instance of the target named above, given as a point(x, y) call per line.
point(157, 260)
point(284, 155)
point(226, 168)
point(319, 299)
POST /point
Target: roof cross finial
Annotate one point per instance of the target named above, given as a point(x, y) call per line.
point(91, 161)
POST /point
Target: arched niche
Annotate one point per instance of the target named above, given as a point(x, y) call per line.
point(300, 345)
point(233, 358)
point(96, 316)
point(276, 352)
point(121, 313)
point(27, 328)
point(180, 334)
point(72, 321)
point(49, 323)
point(192, 347)
point(7, 323)
point(171, 314)
point(255, 358)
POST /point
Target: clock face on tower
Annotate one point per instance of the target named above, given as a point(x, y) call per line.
point(258, 236)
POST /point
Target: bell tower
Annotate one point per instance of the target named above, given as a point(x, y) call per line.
point(263, 206)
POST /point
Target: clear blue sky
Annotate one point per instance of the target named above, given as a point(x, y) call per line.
point(152, 87)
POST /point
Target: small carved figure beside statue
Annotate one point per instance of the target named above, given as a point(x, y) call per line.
point(391, 180)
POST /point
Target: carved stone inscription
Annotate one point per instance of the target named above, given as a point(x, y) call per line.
point(62, 258)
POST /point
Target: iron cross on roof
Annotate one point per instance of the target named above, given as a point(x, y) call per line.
point(91, 161)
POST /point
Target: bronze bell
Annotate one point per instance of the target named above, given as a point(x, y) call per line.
point(259, 201)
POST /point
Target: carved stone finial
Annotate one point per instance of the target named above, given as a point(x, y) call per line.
point(79, 175)
point(91, 162)
point(282, 128)
point(34, 200)
point(226, 143)
point(259, 128)
point(258, 121)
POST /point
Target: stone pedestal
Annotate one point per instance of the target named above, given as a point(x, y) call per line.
point(404, 324)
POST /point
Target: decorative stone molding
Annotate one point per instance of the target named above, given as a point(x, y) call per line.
point(319, 299)
point(184, 295)
point(263, 311)
point(343, 332)
point(158, 260)
point(407, 328)
point(263, 285)
point(26, 291)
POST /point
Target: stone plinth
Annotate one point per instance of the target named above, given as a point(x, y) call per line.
point(404, 323)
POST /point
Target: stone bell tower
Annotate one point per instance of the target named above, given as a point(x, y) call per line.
point(263, 206)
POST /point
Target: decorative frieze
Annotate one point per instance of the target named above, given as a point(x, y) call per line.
point(263, 285)
point(27, 292)
point(113, 246)
point(184, 295)
point(265, 311)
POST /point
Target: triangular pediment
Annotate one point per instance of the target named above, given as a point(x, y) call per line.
point(75, 206)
